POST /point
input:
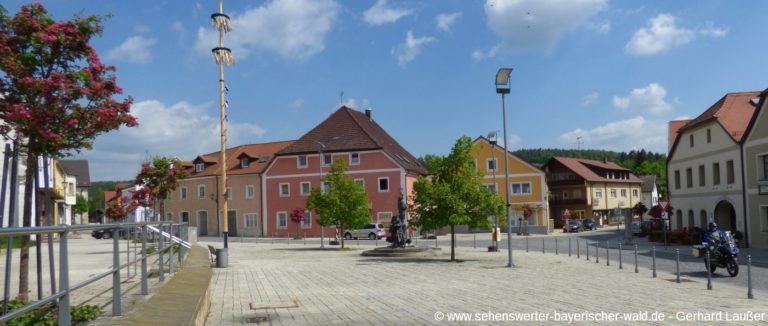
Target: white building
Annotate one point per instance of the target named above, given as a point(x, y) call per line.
point(649, 192)
point(755, 158)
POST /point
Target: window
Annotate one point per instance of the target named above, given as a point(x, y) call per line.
point(250, 191)
point(730, 176)
point(282, 220)
point(327, 159)
point(491, 164)
point(490, 186)
point(623, 193)
point(199, 167)
point(598, 193)
point(702, 176)
point(634, 192)
point(765, 167)
point(354, 158)
point(689, 177)
point(677, 179)
point(709, 136)
point(285, 190)
point(613, 193)
point(302, 161)
point(200, 191)
point(383, 184)
point(715, 174)
point(306, 188)
point(183, 191)
point(474, 165)
point(250, 220)
point(324, 187)
point(169, 216)
point(244, 163)
point(361, 182)
point(229, 193)
point(523, 188)
point(690, 138)
point(385, 218)
point(306, 223)
point(184, 217)
point(764, 218)
point(565, 194)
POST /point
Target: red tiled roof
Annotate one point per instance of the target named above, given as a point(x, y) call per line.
point(349, 130)
point(262, 154)
point(674, 127)
point(109, 196)
point(581, 167)
point(733, 111)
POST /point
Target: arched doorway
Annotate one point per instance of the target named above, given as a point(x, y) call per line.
point(725, 216)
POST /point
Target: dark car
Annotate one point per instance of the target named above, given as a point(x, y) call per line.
point(107, 233)
point(588, 224)
point(573, 226)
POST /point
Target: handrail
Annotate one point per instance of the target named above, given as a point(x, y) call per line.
point(18, 312)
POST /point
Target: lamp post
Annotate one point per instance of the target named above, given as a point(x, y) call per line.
point(495, 136)
point(503, 87)
point(320, 147)
point(223, 56)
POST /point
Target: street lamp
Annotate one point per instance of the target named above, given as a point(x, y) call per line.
point(495, 136)
point(503, 87)
point(320, 147)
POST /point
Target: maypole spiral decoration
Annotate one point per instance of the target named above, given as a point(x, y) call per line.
point(222, 54)
point(223, 57)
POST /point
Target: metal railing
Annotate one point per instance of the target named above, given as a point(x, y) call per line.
point(62, 296)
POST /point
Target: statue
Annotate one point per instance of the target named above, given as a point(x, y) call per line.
point(397, 231)
point(402, 206)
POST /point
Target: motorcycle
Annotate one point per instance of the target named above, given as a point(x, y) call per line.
point(722, 254)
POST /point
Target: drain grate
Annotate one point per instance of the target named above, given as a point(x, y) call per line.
point(285, 305)
point(258, 320)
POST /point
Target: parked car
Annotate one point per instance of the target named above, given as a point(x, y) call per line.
point(573, 226)
point(371, 231)
point(107, 233)
point(588, 224)
point(637, 228)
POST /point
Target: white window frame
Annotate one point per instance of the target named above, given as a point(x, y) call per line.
point(181, 214)
point(378, 184)
point(250, 217)
point(330, 161)
point(244, 163)
point(598, 193)
point(229, 194)
point(623, 193)
point(352, 160)
point(298, 162)
point(307, 222)
point(199, 167)
point(199, 193)
point(281, 215)
point(280, 189)
point(309, 188)
point(491, 186)
point(250, 191)
point(488, 165)
point(183, 193)
point(613, 193)
point(520, 186)
point(634, 192)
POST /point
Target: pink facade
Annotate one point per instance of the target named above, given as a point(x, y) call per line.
point(373, 167)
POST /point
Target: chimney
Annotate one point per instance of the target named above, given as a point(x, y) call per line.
point(368, 113)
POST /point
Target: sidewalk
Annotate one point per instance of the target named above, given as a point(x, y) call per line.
point(281, 285)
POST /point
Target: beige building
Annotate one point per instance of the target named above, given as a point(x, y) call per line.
point(195, 200)
point(755, 160)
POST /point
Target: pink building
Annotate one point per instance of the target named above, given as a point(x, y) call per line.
point(375, 159)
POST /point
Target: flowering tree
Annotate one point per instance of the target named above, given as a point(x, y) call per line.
point(158, 180)
point(57, 95)
point(639, 209)
point(298, 216)
point(118, 210)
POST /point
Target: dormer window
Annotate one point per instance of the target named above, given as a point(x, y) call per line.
point(245, 162)
point(199, 167)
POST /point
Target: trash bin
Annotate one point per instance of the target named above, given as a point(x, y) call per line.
point(221, 258)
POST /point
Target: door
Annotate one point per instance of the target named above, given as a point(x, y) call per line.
point(202, 223)
point(232, 222)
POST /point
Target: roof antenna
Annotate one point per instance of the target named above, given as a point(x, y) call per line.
point(341, 98)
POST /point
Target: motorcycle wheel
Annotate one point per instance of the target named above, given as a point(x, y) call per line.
point(733, 267)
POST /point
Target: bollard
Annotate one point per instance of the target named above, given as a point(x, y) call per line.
point(556, 251)
point(749, 277)
point(709, 272)
point(542, 246)
point(677, 264)
point(621, 261)
point(587, 249)
point(474, 240)
point(636, 271)
point(569, 247)
point(597, 252)
point(526, 244)
point(607, 254)
point(653, 251)
point(578, 251)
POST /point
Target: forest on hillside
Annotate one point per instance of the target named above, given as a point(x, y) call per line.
point(96, 194)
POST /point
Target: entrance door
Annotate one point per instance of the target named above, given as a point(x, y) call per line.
point(184, 217)
point(232, 222)
point(725, 216)
point(202, 223)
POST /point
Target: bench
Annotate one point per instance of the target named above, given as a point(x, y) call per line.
point(213, 254)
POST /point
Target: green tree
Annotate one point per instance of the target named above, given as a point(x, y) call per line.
point(344, 203)
point(158, 179)
point(81, 205)
point(57, 95)
point(454, 194)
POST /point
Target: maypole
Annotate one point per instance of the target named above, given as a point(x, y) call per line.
point(223, 56)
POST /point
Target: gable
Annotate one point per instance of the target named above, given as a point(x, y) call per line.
point(758, 128)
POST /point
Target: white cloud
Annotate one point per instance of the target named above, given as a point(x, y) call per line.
point(602, 27)
point(663, 33)
point(182, 130)
point(297, 103)
point(408, 50)
point(537, 25)
point(134, 49)
point(141, 29)
point(622, 135)
point(295, 29)
point(380, 14)
point(446, 21)
point(179, 28)
point(589, 99)
point(480, 55)
point(648, 99)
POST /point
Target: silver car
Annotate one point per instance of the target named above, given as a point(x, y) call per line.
point(371, 231)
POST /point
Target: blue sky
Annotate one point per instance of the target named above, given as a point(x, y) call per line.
point(611, 72)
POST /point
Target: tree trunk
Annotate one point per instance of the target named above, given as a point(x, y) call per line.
point(453, 244)
point(30, 174)
point(342, 236)
point(162, 210)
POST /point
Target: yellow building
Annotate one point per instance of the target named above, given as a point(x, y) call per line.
point(527, 184)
